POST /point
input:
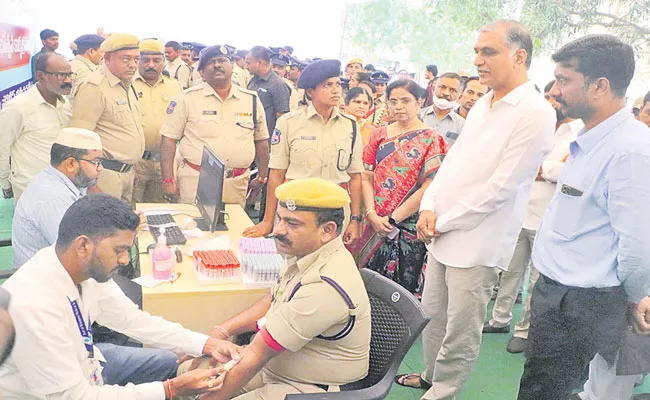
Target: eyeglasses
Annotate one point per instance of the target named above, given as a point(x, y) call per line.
point(404, 101)
point(97, 161)
point(61, 75)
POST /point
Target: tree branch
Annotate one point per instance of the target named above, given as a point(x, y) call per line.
point(621, 22)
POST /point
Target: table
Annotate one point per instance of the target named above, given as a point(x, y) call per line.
point(185, 301)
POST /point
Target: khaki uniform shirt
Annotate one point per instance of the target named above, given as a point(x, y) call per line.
point(306, 147)
point(29, 127)
point(180, 71)
point(83, 67)
point(199, 117)
point(195, 78)
point(294, 98)
point(153, 103)
point(241, 75)
point(318, 309)
point(106, 105)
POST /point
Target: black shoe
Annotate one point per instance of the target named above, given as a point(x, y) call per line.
point(487, 328)
point(519, 299)
point(516, 345)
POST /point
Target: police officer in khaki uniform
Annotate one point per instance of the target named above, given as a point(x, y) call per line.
point(239, 72)
point(155, 91)
point(176, 67)
point(317, 142)
point(225, 117)
point(87, 59)
point(295, 70)
point(195, 77)
point(308, 340)
point(280, 65)
point(379, 114)
point(107, 103)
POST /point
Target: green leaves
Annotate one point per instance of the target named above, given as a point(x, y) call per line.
point(444, 31)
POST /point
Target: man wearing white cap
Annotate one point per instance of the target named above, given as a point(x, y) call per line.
point(75, 164)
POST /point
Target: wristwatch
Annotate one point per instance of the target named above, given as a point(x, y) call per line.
point(392, 221)
point(357, 218)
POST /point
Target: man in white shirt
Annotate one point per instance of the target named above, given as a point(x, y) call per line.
point(541, 194)
point(475, 206)
point(30, 123)
point(58, 294)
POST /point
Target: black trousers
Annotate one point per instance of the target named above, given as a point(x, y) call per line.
point(569, 325)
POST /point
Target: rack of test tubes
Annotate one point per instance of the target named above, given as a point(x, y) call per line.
point(261, 263)
point(217, 266)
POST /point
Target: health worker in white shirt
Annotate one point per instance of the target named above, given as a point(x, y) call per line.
point(58, 294)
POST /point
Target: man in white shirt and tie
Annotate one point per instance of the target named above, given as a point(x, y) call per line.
point(472, 213)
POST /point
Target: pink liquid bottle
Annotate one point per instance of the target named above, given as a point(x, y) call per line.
point(163, 263)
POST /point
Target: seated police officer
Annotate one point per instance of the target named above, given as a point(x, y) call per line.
point(314, 327)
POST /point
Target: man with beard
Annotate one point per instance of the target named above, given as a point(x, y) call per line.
point(30, 123)
point(75, 164)
point(566, 130)
point(108, 104)
point(225, 117)
point(473, 91)
point(155, 91)
point(307, 341)
point(440, 114)
point(60, 292)
point(591, 249)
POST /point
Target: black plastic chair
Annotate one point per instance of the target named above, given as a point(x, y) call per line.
point(397, 320)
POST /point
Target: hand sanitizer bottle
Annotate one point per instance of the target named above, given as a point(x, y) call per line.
point(162, 260)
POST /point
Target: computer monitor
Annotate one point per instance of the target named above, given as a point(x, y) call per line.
point(210, 192)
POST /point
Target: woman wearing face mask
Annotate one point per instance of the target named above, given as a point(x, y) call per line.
point(401, 160)
point(440, 115)
point(357, 103)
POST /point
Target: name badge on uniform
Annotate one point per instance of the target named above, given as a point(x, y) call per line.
point(570, 191)
point(262, 90)
point(452, 135)
point(307, 137)
point(209, 112)
point(121, 102)
point(275, 138)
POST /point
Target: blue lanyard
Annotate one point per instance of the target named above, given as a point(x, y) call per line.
point(86, 333)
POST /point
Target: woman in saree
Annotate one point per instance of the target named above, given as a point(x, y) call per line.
point(357, 103)
point(401, 160)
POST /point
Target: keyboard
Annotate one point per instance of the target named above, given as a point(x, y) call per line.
point(173, 232)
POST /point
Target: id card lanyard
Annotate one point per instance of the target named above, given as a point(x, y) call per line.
point(85, 331)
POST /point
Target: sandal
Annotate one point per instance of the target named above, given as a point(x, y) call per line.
point(402, 379)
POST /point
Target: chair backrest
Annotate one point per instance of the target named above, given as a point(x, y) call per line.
point(397, 320)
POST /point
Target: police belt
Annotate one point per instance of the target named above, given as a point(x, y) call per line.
point(230, 173)
point(116, 166)
point(151, 155)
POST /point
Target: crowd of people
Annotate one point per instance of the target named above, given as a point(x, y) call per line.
point(452, 191)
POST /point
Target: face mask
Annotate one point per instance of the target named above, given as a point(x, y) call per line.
point(443, 104)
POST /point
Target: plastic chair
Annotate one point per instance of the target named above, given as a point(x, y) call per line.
point(397, 320)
